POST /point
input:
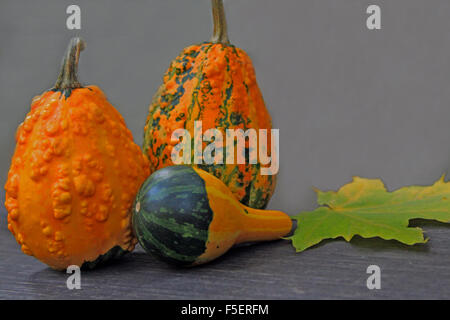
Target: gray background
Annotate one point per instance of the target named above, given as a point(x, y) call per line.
point(348, 101)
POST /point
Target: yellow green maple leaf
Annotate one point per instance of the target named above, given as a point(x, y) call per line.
point(366, 208)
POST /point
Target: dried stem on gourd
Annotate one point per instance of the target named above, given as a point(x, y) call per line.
point(68, 76)
point(220, 33)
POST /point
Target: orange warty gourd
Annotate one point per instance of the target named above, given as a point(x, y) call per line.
point(213, 82)
point(74, 175)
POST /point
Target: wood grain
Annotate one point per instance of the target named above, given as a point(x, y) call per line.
point(331, 270)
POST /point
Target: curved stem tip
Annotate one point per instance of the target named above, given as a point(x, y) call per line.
point(68, 76)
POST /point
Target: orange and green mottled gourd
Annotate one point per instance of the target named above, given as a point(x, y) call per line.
point(74, 175)
point(215, 83)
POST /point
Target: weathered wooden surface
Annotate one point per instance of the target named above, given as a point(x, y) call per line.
point(333, 270)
